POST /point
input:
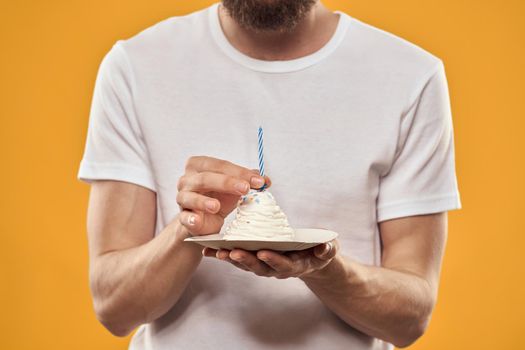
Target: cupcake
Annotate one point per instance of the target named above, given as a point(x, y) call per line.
point(259, 218)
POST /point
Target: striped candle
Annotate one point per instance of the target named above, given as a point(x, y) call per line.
point(261, 154)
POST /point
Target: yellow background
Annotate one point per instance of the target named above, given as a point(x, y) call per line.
point(50, 52)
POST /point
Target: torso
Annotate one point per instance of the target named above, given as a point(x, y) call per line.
point(330, 134)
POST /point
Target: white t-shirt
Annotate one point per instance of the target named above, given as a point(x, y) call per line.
point(356, 133)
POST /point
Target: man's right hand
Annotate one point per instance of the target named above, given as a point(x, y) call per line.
point(210, 189)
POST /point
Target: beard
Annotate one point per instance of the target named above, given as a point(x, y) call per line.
point(268, 15)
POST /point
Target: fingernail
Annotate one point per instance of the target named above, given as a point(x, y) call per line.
point(191, 220)
point(263, 258)
point(235, 257)
point(211, 205)
point(257, 181)
point(327, 249)
point(241, 187)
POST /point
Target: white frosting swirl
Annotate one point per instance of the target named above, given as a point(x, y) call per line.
point(258, 217)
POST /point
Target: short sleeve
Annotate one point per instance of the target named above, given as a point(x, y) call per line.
point(115, 148)
point(422, 177)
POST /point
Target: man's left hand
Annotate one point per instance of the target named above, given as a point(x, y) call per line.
point(269, 263)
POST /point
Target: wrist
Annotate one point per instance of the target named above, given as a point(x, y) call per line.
point(178, 231)
point(339, 274)
point(334, 271)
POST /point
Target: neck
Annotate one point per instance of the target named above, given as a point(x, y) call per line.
point(308, 36)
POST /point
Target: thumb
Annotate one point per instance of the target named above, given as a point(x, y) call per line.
point(267, 180)
point(325, 251)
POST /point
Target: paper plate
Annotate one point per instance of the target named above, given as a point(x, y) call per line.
point(304, 238)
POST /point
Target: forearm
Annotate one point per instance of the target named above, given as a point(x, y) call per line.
point(140, 284)
point(391, 305)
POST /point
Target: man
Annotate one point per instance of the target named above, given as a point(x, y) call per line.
point(358, 140)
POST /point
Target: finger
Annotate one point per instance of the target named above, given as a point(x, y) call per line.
point(267, 180)
point(209, 252)
point(191, 220)
point(223, 254)
point(326, 251)
point(209, 181)
point(199, 223)
point(196, 201)
point(235, 263)
point(251, 262)
point(276, 261)
point(209, 164)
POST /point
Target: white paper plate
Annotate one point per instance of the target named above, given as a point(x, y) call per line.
point(304, 238)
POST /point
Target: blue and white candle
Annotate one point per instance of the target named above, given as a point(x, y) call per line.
point(261, 154)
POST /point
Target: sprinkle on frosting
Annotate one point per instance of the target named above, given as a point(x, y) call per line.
point(258, 217)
